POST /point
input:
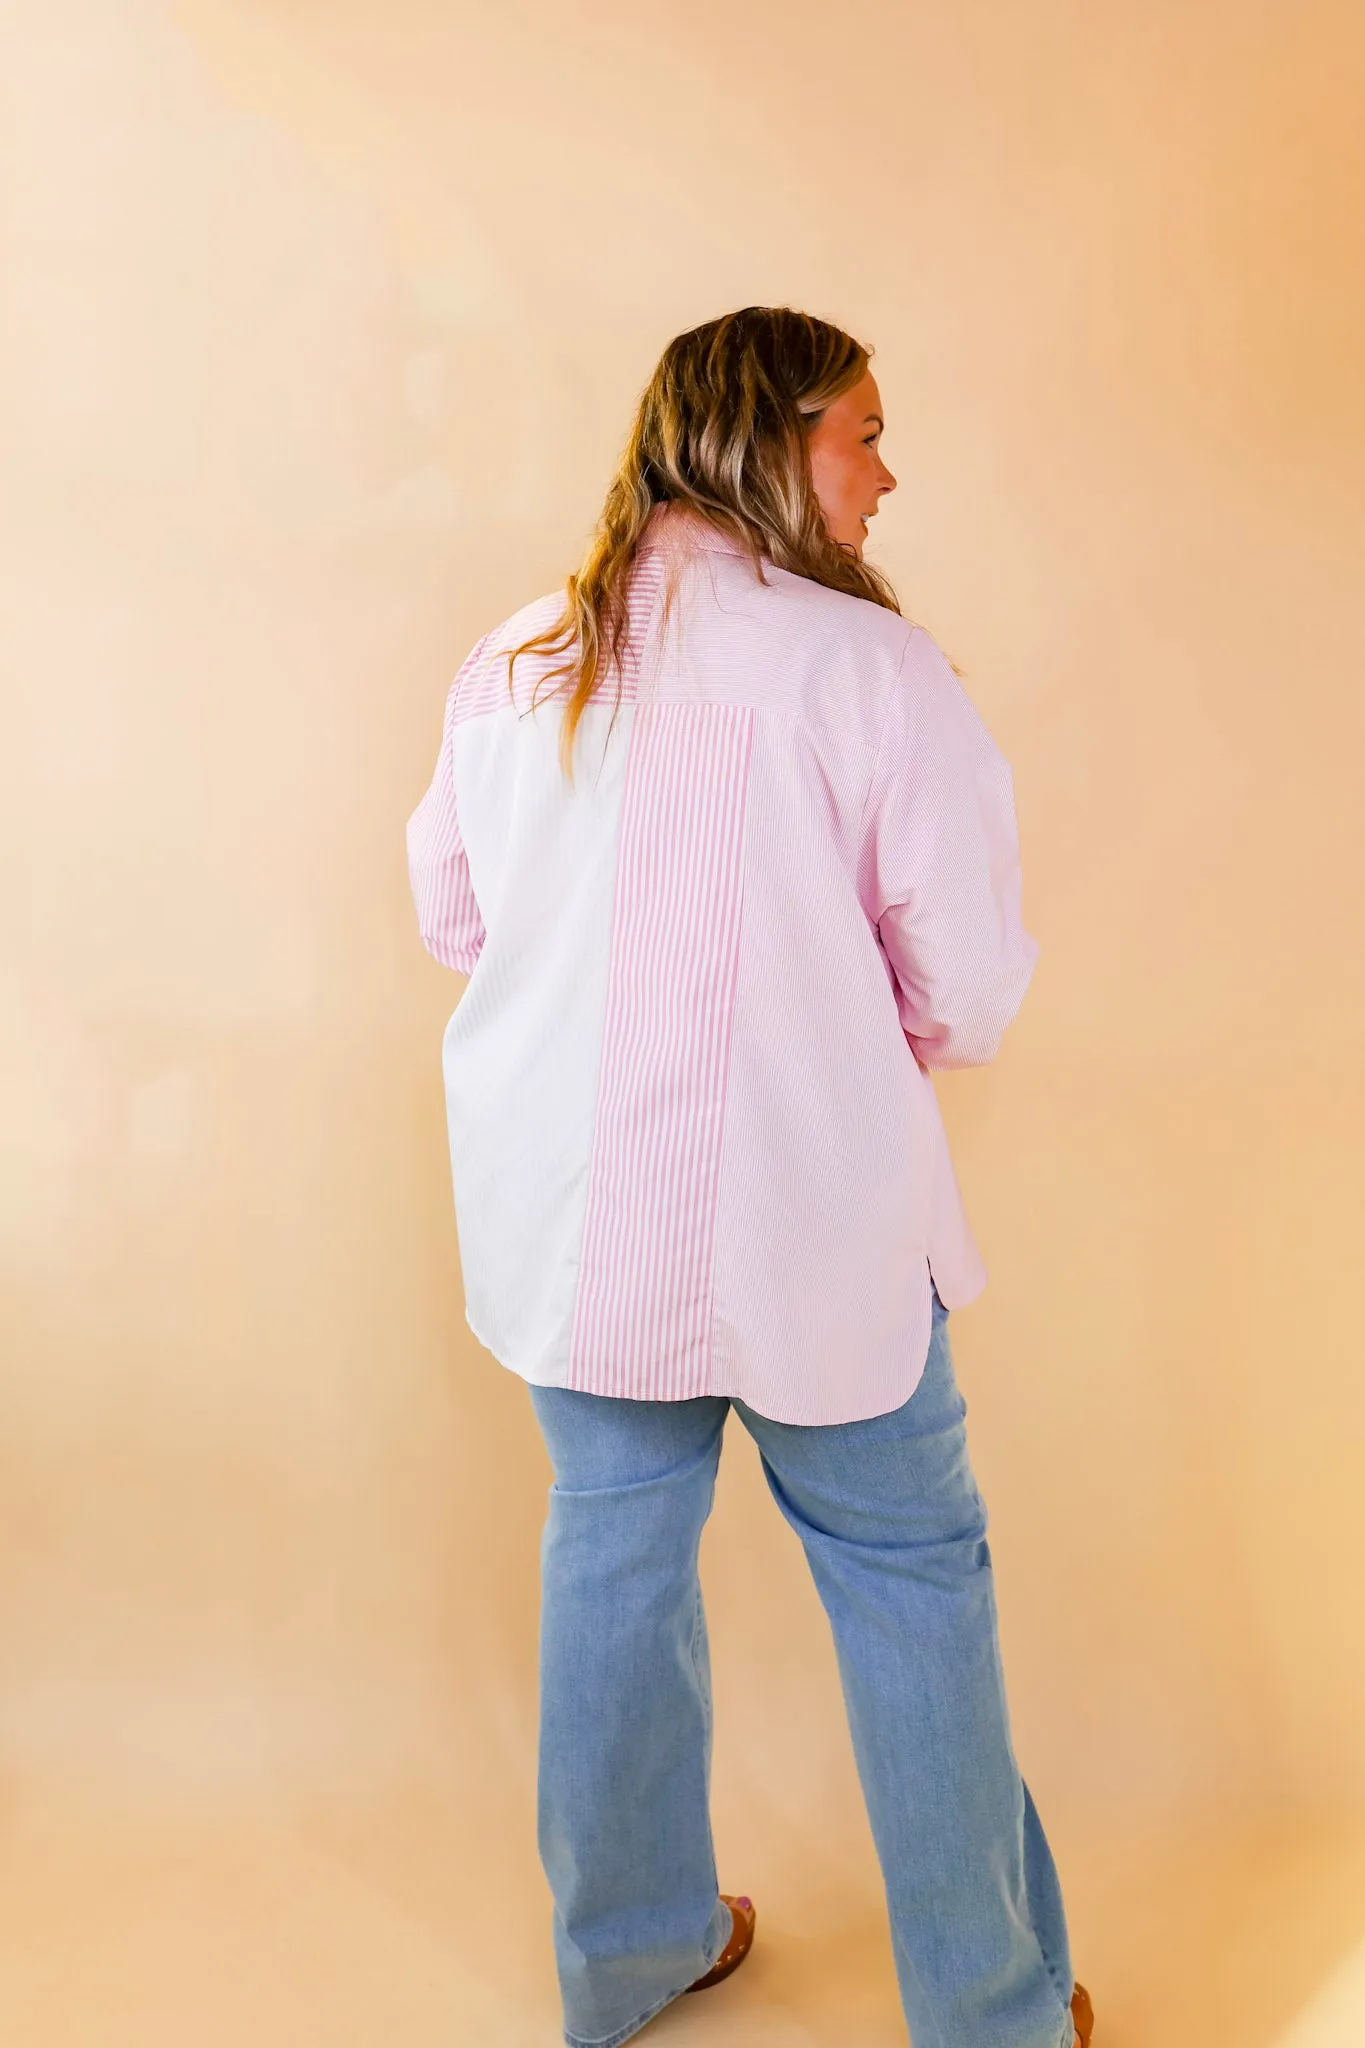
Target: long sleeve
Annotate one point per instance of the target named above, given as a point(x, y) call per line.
point(943, 869)
point(448, 916)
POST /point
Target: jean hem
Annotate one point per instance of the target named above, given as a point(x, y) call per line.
point(625, 2033)
point(652, 2012)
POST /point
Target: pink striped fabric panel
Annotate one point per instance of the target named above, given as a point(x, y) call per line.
point(642, 1322)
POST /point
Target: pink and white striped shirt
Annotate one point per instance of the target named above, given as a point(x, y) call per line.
point(694, 1138)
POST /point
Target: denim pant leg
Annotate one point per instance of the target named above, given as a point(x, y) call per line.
point(625, 1706)
point(894, 1529)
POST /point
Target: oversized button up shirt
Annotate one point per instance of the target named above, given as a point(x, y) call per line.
point(694, 1138)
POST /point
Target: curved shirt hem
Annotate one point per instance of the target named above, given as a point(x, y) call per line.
point(805, 1420)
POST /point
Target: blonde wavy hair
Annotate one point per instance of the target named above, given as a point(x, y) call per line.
point(722, 427)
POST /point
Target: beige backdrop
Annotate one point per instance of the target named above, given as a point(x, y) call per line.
point(323, 322)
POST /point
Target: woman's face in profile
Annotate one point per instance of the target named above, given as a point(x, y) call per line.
point(849, 474)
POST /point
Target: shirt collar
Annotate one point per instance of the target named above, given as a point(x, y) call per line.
point(674, 525)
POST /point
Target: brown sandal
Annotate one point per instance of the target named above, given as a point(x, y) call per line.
point(741, 1940)
point(1083, 2016)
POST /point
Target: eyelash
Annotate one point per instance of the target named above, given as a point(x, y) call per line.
point(869, 440)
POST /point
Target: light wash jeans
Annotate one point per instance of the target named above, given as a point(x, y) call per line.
point(894, 1530)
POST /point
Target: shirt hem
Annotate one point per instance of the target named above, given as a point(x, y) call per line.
point(535, 1379)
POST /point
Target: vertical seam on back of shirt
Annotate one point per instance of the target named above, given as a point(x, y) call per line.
point(632, 666)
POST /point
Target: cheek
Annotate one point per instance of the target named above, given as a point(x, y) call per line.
point(838, 476)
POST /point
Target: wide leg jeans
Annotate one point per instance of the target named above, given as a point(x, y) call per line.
point(894, 1529)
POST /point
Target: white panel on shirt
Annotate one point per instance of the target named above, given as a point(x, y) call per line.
point(523, 1049)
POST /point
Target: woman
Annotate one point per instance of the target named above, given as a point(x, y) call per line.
point(699, 1166)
